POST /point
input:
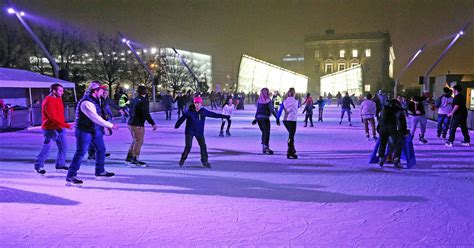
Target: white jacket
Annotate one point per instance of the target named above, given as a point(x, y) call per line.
point(291, 109)
point(228, 110)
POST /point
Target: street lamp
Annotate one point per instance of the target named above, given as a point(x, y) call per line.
point(52, 61)
point(412, 59)
point(458, 35)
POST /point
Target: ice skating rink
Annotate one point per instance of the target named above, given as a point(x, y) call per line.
point(329, 197)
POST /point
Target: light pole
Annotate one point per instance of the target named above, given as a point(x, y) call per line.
point(150, 74)
point(412, 59)
point(196, 80)
point(52, 61)
point(456, 37)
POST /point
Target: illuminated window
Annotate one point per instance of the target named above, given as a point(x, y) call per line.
point(328, 68)
point(341, 66)
point(367, 52)
point(355, 53)
point(316, 54)
point(342, 53)
point(367, 88)
point(354, 64)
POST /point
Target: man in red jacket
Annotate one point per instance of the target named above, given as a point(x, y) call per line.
point(54, 129)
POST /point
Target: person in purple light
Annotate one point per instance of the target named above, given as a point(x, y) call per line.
point(54, 129)
point(90, 129)
point(262, 117)
point(368, 109)
point(290, 106)
point(346, 103)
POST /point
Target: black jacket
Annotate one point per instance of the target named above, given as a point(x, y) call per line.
point(140, 112)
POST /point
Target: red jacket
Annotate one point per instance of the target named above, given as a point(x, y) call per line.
point(53, 114)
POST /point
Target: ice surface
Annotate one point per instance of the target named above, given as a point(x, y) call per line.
point(330, 196)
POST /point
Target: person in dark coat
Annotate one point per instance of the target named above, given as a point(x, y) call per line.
point(392, 126)
point(346, 103)
point(262, 117)
point(195, 118)
point(167, 102)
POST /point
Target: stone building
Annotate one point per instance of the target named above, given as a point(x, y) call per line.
point(329, 53)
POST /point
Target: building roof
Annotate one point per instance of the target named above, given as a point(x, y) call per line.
point(348, 36)
point(15, 78)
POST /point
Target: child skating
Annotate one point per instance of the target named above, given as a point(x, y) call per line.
point(227, 109)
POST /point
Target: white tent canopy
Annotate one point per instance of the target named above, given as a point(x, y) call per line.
point(15, 78)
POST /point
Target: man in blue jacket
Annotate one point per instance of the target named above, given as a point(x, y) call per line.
point(195, 119)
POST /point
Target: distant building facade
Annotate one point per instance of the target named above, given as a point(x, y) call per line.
point(331, 52)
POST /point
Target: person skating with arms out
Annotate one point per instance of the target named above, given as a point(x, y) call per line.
point(195, 118)
point(227, 109)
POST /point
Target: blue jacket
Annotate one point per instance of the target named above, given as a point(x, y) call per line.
point(195, 120)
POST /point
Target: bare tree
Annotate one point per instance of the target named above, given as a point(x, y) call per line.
point(105, 62)
point(13, 45)
point(70, 45)
point(174, 75)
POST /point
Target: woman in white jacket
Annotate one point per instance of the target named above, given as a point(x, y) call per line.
point(227, 109)
point(290, 106)
point(368, 110)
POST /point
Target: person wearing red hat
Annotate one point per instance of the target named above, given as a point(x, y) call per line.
point(195, 118)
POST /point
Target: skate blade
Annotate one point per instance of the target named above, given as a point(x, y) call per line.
point(61, 170)
point(69, 184)
point(39, 174)
point(99, 178)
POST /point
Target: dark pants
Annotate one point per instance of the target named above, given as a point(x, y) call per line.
point(395, 140)
point(348, 114)
point(310, 117)
point(459, 122)
point(213, 104)
point(180, 110)
point(189, 144)
point(83, 141)
point(443, 124)
point(264, 125)
point(320, 118)
point(168, 113)
point(229, 122)
point(291, 128)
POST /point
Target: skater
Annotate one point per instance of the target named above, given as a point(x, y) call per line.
point(380, 100)
point(195, 119)
point(290, 106)
point(346, 103)
point(368, 110)
point(181, 102)
point(123, 103)
point(417, 111)
point(54, 129)
point(459, 117)
point(227, 109)
point(276, 101)
point(167, 102)
point(90, 129)
point(321, 103)
point(445, 105)
point(139, 113)
point(392, 127)
point(308, 111)
point(262, 117)
point(339, 98)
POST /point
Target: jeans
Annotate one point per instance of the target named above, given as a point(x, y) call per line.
point(189, 144)
point(414, 122)
point(168, 113)
point(83, 140)
point(59, 137)
point(320, 112)
point(443, 124)
point(459, 122)
point(264, 125)
point(372, 124)
point(395, 143)
point(344, 110)
point(180, 110)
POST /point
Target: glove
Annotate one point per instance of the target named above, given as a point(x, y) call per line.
point(254, 122)
point(278, 122)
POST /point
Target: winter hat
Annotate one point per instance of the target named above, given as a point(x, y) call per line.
point(197, 99)
point(95, 85)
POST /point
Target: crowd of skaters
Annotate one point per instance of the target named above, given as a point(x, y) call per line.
point(93, 115)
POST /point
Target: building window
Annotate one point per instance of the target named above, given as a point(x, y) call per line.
point(355, 53)
point(342, 53)
point(367, 88)
point(367, 52)
point(328, 68)
point(341, 66)
point(316, 54)
point(354, 64)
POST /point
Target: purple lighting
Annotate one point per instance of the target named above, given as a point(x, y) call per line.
point(461, 33)
point(22, 13)
point(11, 11)
point(124, 40)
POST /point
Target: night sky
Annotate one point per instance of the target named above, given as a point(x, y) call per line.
point(270, 29)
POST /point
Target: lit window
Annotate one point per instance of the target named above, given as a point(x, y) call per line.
point(328, 68)
point(367, 52)
point(341, 66)
point(367, 88)
point(342, 53)
point(354, 64)
point(355, 53)
point(316, 54)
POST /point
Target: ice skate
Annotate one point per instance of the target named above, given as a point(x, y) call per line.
point(73, 181)
point(422, 139)
point(397, 164)
point(227, 133)
point(40, 171)
point(206, 164)
point(465, 143)
point(62, 168)
point(137, 163)
point(221, 134)
point(105, 174)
